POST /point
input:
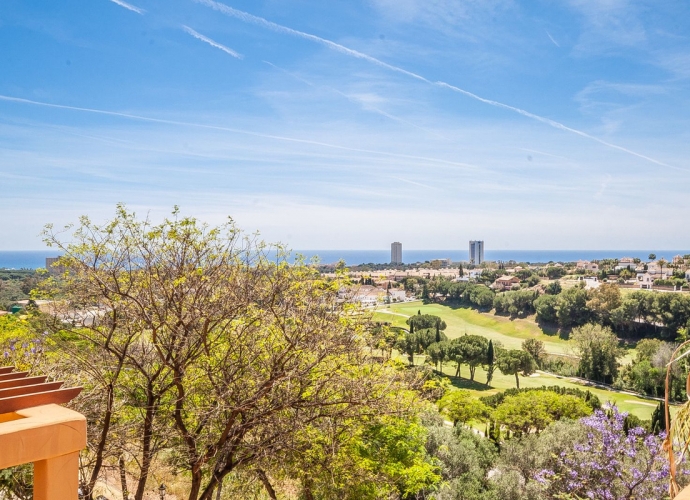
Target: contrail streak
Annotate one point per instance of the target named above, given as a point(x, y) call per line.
point(348, 97)
point(260, 21)
point(213, 43)
point(129, 6)
point(552, 39)
point(236, 131)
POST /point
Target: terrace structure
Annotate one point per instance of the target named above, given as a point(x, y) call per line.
point(35, 429)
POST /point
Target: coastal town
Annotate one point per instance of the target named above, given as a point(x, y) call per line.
point(393, 284)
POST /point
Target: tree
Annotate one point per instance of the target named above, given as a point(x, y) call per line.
point(438, 353)
point(533, 411)
point(571, 308)
point(553, 288)
point(652, 256)
point(610, 463)
point(363, 459)
point(598, 349)
point(554, 272)
point(490, 362)
point(241, 351)
point(603, 300)
point(470, 350)
point(546, 307)
point(425, 321)
point(409, 344)
point(512, 362)
point(662, 262)
point(659, 417)
point(461, 272)
point(535, 348)
point(461, 407)
point(464, 459)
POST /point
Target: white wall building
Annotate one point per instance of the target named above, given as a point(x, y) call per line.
point(476, 252)
point(396, 253)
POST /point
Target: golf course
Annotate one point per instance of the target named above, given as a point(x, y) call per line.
point(510, 333)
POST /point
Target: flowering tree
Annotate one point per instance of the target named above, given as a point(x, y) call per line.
point(610, 464)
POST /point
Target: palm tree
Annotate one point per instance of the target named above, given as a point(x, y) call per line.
point(662, 262)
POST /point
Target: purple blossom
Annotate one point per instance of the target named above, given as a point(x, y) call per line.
point(610, 464)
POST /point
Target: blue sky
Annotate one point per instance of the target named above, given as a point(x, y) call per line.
point(350, 124)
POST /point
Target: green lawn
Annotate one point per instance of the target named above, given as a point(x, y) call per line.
point(630, 403)
point(461, 320)
point(511, 334)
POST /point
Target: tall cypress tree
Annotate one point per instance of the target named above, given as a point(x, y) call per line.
point(658, 418)
point(490, 359)
point(438, 332)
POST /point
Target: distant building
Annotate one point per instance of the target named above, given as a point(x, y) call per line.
point(645, 280)
point(52, 268)
point(476, 252)
point(505, 282)
point(587, 265)
point(396, 253)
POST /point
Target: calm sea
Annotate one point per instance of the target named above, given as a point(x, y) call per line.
point(35, 259)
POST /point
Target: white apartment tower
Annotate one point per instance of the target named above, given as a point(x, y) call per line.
point(476, 252)
point(396, 253)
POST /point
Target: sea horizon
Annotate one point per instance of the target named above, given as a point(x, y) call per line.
point(33, 259)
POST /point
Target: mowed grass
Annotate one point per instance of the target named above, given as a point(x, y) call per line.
point(460, 320)
point(640, 407)
point(511, 333)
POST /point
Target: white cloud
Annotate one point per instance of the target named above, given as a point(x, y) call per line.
point(609, 25)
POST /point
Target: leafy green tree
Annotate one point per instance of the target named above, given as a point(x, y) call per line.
point(535, 348)
point(522, 459)
point(425, 321)
point(652, 256)
point(461, 407)
point(571, 308)
point(533, 411)
point(464, 459)
point(512, 362)
point(603, 300)
point(553, 272)
point(481, 296)
point(386, 338)
point(229, 353)
point(470, 350)
point(369, 460)
point(546, 307)
point(438, 353)
point(427, 337)
point(553, 288)
point(598, 349)
point(409, 345)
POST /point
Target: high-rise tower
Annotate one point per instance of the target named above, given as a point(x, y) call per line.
point(396, 253)
point(476, 252)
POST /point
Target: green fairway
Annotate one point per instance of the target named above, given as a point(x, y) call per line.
point(627, 402)
point(510, 332)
